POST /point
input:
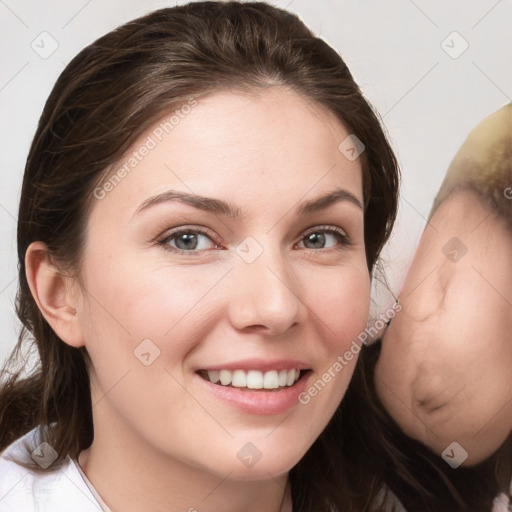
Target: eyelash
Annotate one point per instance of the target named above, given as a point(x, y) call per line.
point(338, 233)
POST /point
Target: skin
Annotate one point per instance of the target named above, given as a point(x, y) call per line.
point(444, 369)
point(161, 441)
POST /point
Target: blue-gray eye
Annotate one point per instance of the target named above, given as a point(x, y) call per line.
point(188, 240)
point(323, 239)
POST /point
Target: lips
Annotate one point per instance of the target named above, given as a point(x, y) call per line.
point(257, 386)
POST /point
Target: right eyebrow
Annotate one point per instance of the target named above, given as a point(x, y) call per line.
point(207, 204)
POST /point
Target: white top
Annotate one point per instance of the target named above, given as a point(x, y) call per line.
point(63, 490)
point(502, 503)
point(68, 488)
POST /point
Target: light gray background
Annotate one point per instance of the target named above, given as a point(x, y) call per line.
point(428, 99)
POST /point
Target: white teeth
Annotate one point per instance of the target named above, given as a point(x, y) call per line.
point(271, 380)
point(225, 377)
point(213, 375)
point(254, 379)
point(239, 379)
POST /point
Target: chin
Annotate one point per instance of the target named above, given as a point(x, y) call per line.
point(261, 471)
point(252, 465)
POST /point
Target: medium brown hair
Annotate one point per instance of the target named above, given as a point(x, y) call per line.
point(108, 95)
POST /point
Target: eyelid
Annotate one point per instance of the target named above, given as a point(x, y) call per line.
point(326, 228)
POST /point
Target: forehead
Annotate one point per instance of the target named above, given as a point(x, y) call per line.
point(255, 146)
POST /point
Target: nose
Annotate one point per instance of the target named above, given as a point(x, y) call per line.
point(265, 296)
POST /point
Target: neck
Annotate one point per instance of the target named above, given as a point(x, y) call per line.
point(142, 478)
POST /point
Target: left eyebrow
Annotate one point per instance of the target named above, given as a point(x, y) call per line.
point(321, 203)
point(220, 207)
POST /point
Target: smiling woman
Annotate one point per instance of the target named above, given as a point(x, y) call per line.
point(185, 282)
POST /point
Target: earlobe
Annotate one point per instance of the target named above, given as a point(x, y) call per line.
point(53, 295)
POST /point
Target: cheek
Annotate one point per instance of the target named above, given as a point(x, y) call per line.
point(130, 302)
point(339, 307)
point(342, 302)
point(141, 322)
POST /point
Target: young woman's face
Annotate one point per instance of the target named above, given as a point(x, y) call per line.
point(178, 291)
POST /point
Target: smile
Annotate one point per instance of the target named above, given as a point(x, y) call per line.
point(253, 379)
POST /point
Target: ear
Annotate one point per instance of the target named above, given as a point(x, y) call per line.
point(55, 294)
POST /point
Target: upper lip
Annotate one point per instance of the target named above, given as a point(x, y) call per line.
point(263, 365)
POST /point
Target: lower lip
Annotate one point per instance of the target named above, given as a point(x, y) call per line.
point(259, 401)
